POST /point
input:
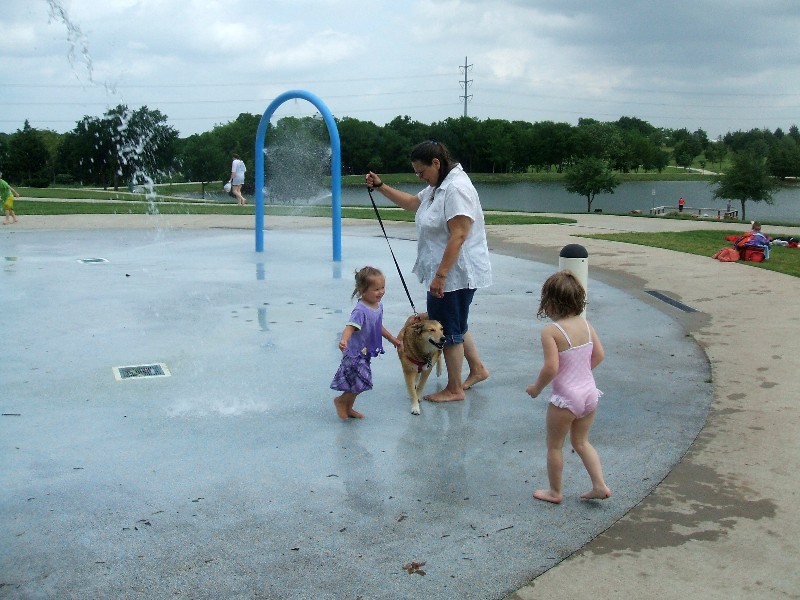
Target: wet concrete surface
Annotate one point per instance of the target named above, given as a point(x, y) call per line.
point(233, 477)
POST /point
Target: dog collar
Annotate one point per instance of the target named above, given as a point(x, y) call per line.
point(420, 364)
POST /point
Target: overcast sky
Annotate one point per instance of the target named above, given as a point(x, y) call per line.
point(716, 65)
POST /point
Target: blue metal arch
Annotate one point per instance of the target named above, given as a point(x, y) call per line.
point(336, 167)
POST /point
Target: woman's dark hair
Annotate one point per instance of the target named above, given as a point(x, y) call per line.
point(425, 153)
point(562, 296)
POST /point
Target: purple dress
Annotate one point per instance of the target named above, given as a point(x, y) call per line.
point(355, 374)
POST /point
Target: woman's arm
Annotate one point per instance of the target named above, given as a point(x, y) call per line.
point(459, 227)
point(402, 199)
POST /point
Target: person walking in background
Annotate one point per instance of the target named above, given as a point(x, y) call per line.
point(360, 342)
point(571, 350)
point(238, 170)
point(7, 195)
point(452, 256)
point(681, 203)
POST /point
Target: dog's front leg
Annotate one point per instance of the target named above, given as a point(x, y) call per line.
point(411, 386)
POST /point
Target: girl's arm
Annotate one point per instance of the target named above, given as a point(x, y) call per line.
point(388, 336)
point(399, 197)
point(346, 334)
point(598, 353)
point(550, 366)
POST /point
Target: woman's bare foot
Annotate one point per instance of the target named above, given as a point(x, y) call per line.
point(354, 414)
point(548, 496)
point(474, 378)
point(444, 395)
point(600, 494)
point(341, 407)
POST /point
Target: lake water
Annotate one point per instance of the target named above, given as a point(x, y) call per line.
point(552, 197)
point(628, 196)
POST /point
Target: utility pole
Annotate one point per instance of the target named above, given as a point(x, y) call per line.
point(466, 83)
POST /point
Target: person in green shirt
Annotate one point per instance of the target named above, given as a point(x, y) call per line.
point(7, 194)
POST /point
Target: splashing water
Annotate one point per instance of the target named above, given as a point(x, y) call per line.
point(296, 169)
point(130, 148)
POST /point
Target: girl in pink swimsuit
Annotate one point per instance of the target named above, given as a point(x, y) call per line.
point(571, 350)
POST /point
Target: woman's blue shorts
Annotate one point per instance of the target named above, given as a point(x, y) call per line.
point(452, 312)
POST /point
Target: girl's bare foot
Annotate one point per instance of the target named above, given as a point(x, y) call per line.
point(354, 414)
point(600, 494)
point(474, 378)
point(548, 496)
point(444, 396)
point(341, 407)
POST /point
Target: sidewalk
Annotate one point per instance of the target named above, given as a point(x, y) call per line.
point(725, 523)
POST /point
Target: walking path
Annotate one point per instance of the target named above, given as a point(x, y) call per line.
point(725, 523)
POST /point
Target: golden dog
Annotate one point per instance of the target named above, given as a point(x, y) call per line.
point(423, 340)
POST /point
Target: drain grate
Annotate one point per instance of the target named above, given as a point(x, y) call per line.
point(140, 371)
point(671, 301)
point(92, 261)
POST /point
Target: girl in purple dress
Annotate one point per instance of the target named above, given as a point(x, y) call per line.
point(361, 340)
point(571, 350)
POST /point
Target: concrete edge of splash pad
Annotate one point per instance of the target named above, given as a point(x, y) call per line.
point(380, 483)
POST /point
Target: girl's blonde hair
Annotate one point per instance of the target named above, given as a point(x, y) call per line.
point(562, 296)
point(364, 277)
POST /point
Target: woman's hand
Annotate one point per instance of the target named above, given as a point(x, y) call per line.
point(373, 181)
point(437, 286)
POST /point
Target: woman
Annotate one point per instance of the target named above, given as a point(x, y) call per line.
point(452, 255)
point(237, 179)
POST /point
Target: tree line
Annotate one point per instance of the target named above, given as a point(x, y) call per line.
point(125, 147)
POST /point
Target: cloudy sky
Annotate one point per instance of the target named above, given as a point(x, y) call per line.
point(716, 65)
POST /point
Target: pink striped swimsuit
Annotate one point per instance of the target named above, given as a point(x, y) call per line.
point(574, 387)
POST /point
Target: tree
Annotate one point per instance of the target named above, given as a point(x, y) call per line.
point(588, 177)
point(28, 158)
point(746, 179)
point(203, 160)
point(716, 152)
point(360, 145)
point(784, 158)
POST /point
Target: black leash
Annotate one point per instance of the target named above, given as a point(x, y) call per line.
point(399, 272)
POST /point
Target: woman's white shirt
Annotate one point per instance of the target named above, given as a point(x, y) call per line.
point(455, 196)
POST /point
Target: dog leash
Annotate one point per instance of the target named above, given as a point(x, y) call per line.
point(399, 272)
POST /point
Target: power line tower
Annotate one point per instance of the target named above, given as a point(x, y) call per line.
point(465, 84)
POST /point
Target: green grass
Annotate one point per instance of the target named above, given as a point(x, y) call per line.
point(138, 207)
point(706, 243)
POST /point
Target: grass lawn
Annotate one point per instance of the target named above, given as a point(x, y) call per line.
point(138, 207)
point(706, 243)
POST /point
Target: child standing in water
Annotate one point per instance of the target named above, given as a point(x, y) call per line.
point(571, 350)
point(361, 340)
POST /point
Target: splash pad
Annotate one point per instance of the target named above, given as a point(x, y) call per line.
point(233, 477)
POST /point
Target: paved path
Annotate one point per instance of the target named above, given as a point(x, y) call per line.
point(725, 522)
